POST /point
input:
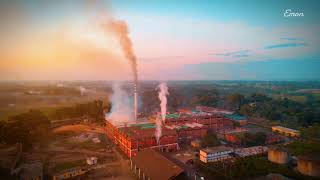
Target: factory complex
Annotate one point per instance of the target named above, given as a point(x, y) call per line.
point(178, 128)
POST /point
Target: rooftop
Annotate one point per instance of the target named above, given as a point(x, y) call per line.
point(216, 149)
point(162, 169)
point(285, 129)
point(145, 130)
point(235, 117)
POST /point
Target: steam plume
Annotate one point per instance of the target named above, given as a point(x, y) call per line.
point(121, 107)
point(163, 99)
point(82, 90)
point(121, 32)
point(163, 105)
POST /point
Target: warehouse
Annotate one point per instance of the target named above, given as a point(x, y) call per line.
point(149, 164)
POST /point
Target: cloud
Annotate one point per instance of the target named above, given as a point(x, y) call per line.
point(300, 69)
point(285, 45)
point(291, 39)
point(241, 55)
point(158, 58)
point(235, 53)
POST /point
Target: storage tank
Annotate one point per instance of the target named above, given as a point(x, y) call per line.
point(309, 165)
point(279, 155)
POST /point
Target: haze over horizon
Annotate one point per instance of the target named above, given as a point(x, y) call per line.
point(207, 40)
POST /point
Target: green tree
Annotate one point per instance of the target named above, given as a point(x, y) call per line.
point(235, 100)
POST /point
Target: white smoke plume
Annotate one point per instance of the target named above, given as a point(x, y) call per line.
point(163, 92)
point(121, 106)
point(163, 99)
point(158, 132)
point(82, 90)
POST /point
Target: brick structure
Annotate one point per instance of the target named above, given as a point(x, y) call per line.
point(136, 137)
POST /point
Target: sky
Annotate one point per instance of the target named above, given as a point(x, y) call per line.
point(172, 40)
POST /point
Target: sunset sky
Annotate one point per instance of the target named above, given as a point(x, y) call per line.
point(173, 40)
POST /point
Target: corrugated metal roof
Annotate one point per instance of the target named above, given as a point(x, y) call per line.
point(162, 169)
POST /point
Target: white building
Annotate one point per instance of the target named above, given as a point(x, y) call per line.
point(215, 154)
point(92, 160)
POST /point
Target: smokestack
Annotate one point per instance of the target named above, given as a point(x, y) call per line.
point(135, 105)
point(121, 32)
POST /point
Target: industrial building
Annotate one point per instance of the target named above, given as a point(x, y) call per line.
point(178, 128)
point(136, 137)
point(215, 154)
point(149, 164)
point(213, 122)
point(236, 137)
point(286, 131)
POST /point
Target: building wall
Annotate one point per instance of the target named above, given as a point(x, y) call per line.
point(213, 157)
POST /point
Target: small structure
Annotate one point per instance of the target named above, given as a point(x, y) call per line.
point(96, 140)
point(92, 160)
point(279, 155)
point(309, 165)
point(149, 164)
point(215, 154)
point(69, 173)
point(286, 131)
point(33, 171)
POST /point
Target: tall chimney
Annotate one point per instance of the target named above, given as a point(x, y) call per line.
point(135, 101)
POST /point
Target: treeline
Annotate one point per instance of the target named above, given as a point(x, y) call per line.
point(26, 128)
point(291, 113)
point(33, 126)
point(287, 112)
point(93, 109)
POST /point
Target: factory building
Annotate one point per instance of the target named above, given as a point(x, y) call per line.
point(213, 122)
point(178, 128)
point(309, 165)
point(215, 154)
point(188, 131)
point(286, 131)
point(236, 136)
point(136, 137)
